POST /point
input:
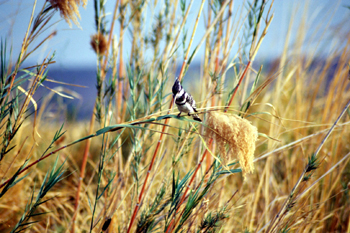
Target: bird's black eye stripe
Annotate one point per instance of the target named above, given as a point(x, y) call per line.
point(181, 98)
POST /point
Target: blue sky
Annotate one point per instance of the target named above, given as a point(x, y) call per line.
point(72, 44)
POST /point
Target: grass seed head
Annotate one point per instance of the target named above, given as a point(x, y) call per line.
point(99, 43)
point(236, 133)
point(68, 9)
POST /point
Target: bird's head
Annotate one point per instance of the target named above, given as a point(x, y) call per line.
point(176, 87)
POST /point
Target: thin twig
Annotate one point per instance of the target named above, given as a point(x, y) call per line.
point(280, 214)
point(171, 227)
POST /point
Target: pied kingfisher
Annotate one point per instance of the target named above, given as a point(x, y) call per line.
point(184, 101)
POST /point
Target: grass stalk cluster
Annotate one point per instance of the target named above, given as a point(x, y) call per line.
point(271, 155)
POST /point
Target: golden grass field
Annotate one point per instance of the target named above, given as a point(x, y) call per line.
point(272, 153)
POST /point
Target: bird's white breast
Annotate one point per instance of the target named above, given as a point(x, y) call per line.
point(187, 108)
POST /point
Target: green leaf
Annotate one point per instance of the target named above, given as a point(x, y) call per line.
point(231, 171)
point(105, 188)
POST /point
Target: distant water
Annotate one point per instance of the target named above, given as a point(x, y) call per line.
point(78, 108)
point(82, 108)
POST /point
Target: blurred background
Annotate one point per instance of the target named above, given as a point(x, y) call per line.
point(76, 60)
point(292, 91)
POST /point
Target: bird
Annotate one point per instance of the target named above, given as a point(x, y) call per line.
point(184, 101)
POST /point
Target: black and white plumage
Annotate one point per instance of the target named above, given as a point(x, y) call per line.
point(184, 101)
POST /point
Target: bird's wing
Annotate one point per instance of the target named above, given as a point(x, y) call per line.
point(191, 101)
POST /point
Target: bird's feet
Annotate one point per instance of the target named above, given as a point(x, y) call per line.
point(178, 115)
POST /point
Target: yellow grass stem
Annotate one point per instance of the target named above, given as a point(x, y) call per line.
point(23, 50)
point(92, 122)
point(174, 45)
point(226, 49)
point(308, 189)
point(171, 26)
point(110, 35)
point(29, 98)
point(174, 222)
point(294, 143)
point(147, 175)
point(82, 173)
point(273, 224)
point(34, 163)
point(12, 162)
point(214, 100)
point(228, 29)
point(164, 127)
point(171, 227)
point(293, 115)
point(121, 65)
point(238, 84)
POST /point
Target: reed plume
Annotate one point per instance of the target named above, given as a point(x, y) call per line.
point(68, 9)
point(236, 133)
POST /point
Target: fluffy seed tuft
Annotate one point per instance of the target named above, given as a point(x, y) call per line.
point(68, 9)
point(236, 133)
point(99, 43)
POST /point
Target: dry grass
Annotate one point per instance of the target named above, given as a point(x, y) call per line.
point(145, 170)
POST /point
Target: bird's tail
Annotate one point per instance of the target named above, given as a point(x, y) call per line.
point(196, 117)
